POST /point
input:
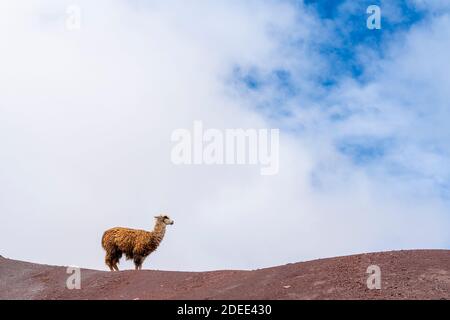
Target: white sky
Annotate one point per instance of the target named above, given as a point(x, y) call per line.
point(86, 118)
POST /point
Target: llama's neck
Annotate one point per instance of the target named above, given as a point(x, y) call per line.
point(158, 233)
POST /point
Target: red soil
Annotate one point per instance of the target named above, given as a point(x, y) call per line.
point(415, 274)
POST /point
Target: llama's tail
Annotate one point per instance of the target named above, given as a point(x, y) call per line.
point(104, 239)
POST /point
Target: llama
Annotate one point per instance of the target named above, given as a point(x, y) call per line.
point(135, 244)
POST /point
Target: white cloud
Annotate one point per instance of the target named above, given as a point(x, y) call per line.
point(86, 119)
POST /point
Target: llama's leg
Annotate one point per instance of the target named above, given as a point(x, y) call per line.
point(117, 256)
point(141, 263)
point(114, 265)
point(109, 261)
point(113, 255)
point(138, 262)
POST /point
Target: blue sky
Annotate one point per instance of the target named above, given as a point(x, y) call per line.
point(346, 24)
point(345, 57)
point(347, 28)
point(86, 118)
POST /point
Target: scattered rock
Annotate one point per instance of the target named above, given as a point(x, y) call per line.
point(428, 277)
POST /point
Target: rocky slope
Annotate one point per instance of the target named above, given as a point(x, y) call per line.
point(412, 274)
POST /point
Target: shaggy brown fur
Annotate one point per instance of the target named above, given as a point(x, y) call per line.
point(135, 244)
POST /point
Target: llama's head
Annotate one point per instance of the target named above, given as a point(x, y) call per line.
point(164, 219)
